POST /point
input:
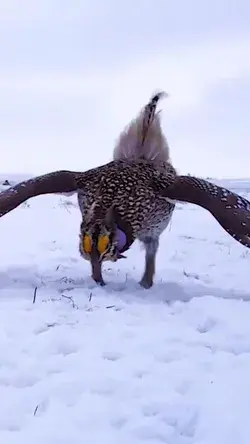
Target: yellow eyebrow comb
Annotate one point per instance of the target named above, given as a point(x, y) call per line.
point(87, 243)
point(103, 242)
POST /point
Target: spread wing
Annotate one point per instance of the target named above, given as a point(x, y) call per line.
point(231, 210)
point(55, 182)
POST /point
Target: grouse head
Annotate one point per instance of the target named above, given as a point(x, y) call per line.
point(101, 236)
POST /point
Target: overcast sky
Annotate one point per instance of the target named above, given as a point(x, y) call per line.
point(73, 73)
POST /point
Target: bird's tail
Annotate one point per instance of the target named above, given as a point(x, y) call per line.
point(143, 138)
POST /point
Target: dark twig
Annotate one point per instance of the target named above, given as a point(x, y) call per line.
point(90, 296)
point(35, 411)
point(72, 301)
point(34, 296)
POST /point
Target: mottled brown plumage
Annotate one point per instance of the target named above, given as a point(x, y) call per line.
point(138, 210)
point(133, 197)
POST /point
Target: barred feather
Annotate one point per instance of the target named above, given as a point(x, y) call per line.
point(143, 138)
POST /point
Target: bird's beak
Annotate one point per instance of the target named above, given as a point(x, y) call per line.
point(121, 256)
point(96, 265)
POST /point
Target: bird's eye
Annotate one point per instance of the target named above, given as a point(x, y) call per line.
point(103, 243)
point(87, 243)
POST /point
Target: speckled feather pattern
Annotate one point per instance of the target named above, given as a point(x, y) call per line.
point(129, 186)
point(231, 210)
point(234, 204)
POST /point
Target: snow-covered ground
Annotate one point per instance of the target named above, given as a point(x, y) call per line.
point(119, 364)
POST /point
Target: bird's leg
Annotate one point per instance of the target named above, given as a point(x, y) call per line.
point(151, 246)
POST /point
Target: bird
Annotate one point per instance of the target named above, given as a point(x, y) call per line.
point(133, 197)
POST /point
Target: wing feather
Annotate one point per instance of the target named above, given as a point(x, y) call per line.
point(229, 209)
point(55, 182)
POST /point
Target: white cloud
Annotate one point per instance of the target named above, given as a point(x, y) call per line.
point(29, 12)
point(186, 73)
point(76, 74)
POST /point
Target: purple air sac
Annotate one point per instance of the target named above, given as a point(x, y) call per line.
point(121, 239)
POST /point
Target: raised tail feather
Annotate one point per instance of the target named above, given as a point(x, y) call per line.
point(143, 138)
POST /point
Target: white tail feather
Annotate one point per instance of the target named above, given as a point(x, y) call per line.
point(143, 137)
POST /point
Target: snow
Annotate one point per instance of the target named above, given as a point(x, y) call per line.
point(120, 364)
